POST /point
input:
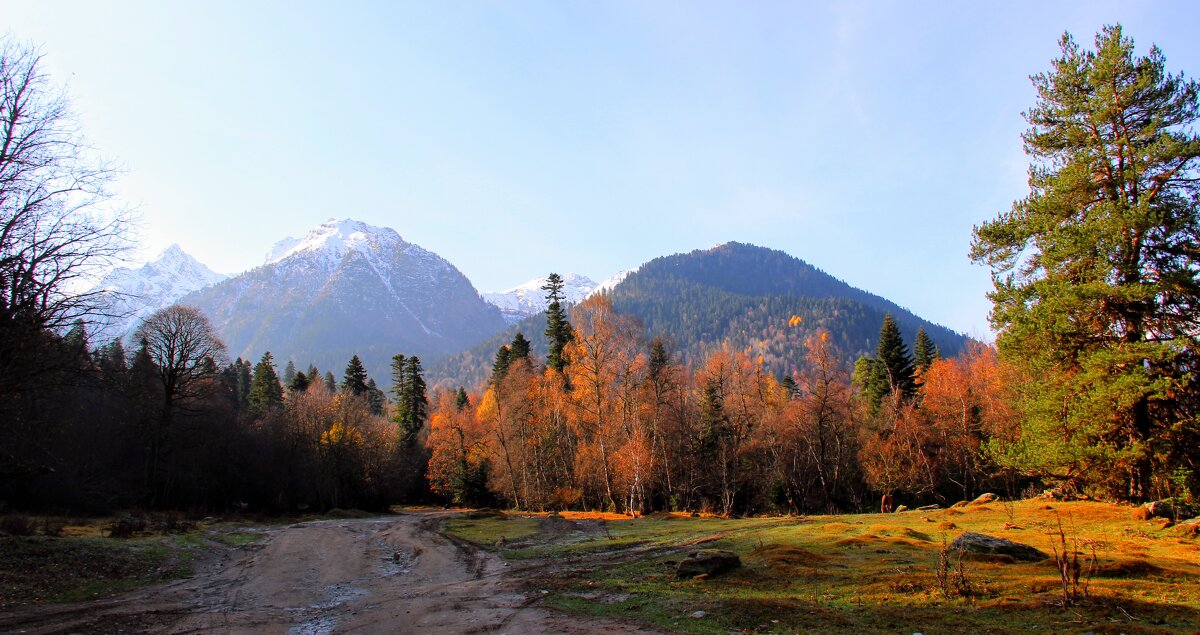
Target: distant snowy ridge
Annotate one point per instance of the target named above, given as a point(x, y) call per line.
point(612, 282)
point(529, 298)
point(135, 293)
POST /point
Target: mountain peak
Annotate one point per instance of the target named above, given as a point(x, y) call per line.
point(336, 238)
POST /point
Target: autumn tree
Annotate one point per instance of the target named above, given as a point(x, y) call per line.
point(1095, 272)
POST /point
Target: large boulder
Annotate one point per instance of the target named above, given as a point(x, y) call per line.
point(707, 562)
point(1164, 509)
point(973, 543)
point(985, 498)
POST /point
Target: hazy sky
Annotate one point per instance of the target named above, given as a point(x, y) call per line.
point(517, 138)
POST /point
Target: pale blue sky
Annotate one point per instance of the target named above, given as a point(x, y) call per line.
point(516, 138)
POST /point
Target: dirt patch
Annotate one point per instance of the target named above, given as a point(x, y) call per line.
point(376, 575)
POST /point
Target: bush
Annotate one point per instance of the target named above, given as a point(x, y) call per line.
point(18, 525)
point(126, 526)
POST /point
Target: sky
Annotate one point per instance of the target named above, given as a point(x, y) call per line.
point(518, 138)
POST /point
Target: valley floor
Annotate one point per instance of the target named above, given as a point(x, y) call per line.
point(509, 572)
point(391, 574)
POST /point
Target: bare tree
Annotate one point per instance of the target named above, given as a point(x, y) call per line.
point(57, 233)
point(58, 230)
point(186, 353)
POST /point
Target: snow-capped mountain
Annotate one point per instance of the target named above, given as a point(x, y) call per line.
point(348, 288)
point(135, 293)
point(527, 299)
point(612, 282)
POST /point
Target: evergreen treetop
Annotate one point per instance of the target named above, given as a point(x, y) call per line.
point(354, 380)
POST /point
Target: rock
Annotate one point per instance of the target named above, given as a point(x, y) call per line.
point(929, 508)
point(971, 542)
point(710, 561)
point(698, 614)
point(985, 498)
point(901, 508)
point(1166, 509)
point(1141, 513)
point(960, 504)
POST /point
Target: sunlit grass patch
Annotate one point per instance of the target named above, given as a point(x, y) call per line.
point(877, 573)
point(488, 531)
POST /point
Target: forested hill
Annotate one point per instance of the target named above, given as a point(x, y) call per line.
point(739, 296)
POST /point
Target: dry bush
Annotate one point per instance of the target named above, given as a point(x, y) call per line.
point(1070, 568)
point(18, 525)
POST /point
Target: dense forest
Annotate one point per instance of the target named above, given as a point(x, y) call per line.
point(747, 405)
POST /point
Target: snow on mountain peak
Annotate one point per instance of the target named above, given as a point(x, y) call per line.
point(136, 293)
point(335, 238)
point(529, 298)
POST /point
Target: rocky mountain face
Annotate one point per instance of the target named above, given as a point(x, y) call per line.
point(135, 293)
point(348, 288)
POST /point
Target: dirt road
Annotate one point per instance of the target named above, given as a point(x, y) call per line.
point(382, 575)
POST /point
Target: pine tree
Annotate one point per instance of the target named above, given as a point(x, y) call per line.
point(354, 381)
point(408, 384)
point(375, 397)
point(400, 388)
point(790, 387)
point(330, 382)
point(925, 352)
point(265, 390)
point(558, 330)
point(519, 351)
point(659, 359)
point(1096, 293)
point(892, 368)
point(461, 400)
point(289, 373)
point(299, 383)
point(500, 365)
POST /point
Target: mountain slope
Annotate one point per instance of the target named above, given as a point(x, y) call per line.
point(136, 293)
point(348, 288)
point(736, 296)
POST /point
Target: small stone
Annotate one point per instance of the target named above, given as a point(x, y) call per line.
point(710, 561)
point(698, 614)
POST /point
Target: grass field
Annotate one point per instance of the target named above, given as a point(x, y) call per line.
point(864, 573)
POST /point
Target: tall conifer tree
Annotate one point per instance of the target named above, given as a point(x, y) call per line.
point(354, 380)
point(1097, 295)
point(558, 330)
point(265, 390)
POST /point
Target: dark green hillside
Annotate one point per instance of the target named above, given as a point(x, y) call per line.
point(738, 296)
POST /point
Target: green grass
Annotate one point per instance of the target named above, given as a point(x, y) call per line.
point(238, 538)
point(870, 573)
point(487, 532)
point(45, 569)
